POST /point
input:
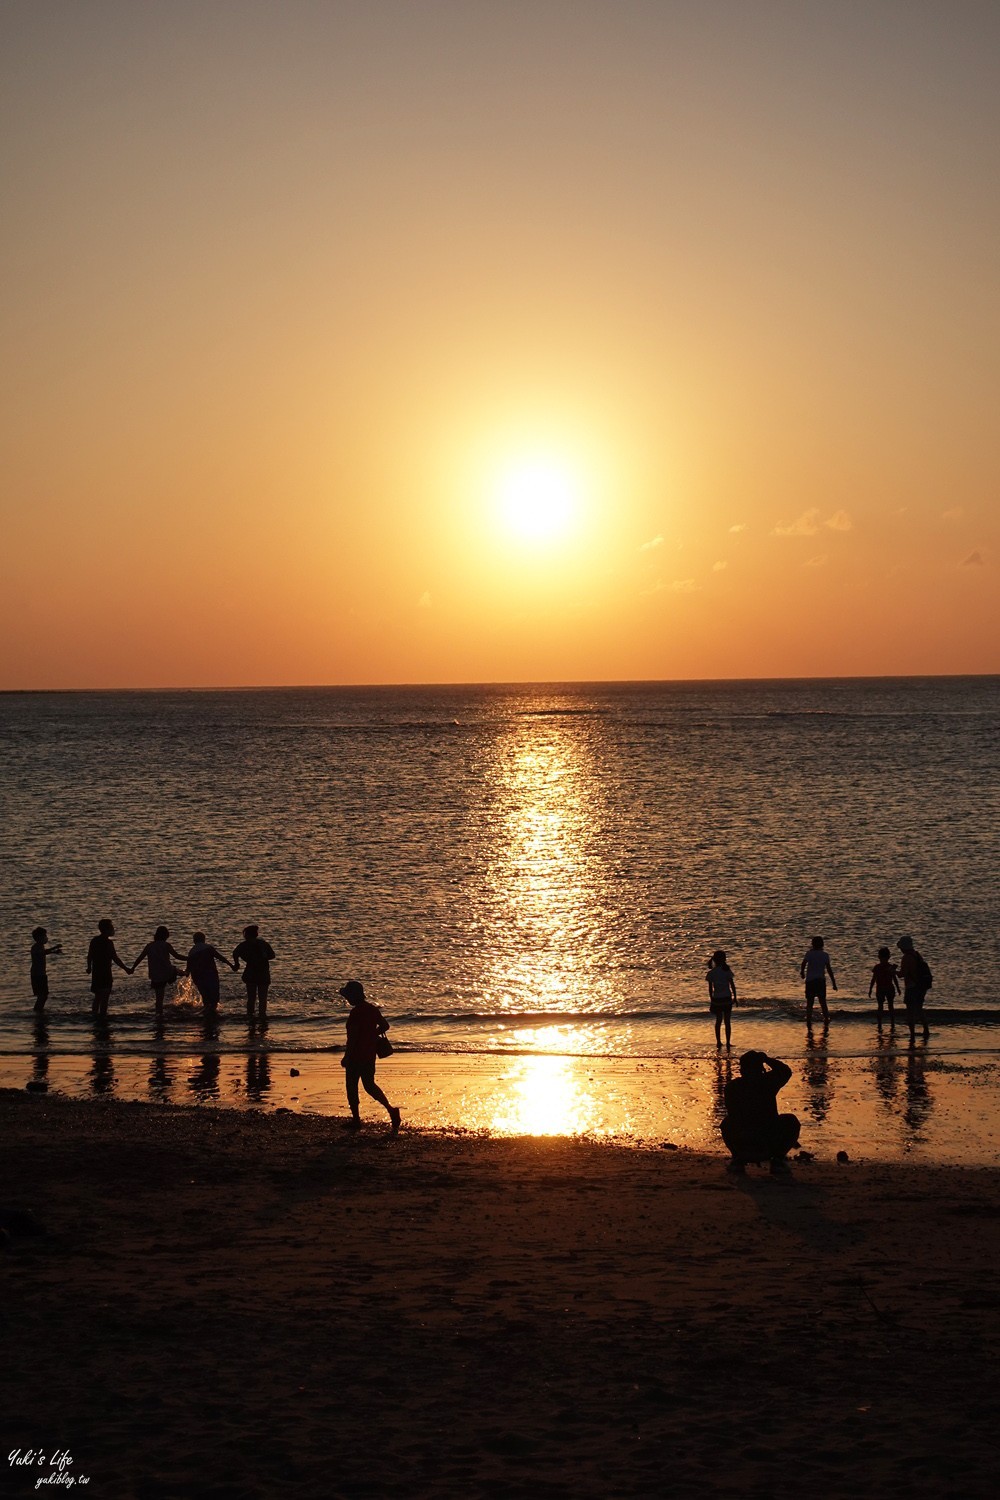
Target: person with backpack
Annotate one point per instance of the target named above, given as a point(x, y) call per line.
point(915, 972)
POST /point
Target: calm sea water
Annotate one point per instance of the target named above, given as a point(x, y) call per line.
point(509, 868)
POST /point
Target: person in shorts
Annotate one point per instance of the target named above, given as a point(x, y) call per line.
point(721, 995)
point(915, 973)
point(885, 985)
point(39, 972)
point(101, 961)
point(813, 969)
point(365, 1025)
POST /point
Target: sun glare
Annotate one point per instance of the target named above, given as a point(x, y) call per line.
point(538, 500)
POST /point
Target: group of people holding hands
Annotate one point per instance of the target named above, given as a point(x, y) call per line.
point(201, 963)
point(913, 969)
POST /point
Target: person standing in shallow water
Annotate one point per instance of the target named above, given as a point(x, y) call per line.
point(915, 972)
point(159, 956)
point(39, 971)
point(101, 958)
point(365, 1026)
point(201, 965)
point(884, 984)
point(813, 969)
point(721, 995)
point(256, 956)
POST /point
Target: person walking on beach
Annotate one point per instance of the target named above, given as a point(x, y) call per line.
point(885, 983)
point(813, 969)
point(159, 956)
point(39, 972)
point(101, 957)
point(366, 1029)
point(915, 972)
point(721, 995)
point(753, 1129)
point(201, 965)
point(256, 956)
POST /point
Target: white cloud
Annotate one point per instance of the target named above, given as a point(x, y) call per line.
point(683, 586)
point(974, 560)
point(717, 567)
point(424, 602)
point(806, 525)
point(649, 546)
point(740, 526)
point(815, 562)
point(839, 521)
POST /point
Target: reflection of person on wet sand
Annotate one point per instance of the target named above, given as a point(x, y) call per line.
point(817, 1075)
point(753, 1130)
point(256, 956)
point(366, 1025)
point(721, 995)
point(159, 955)
point(39, 973)
point(201, 965)
point(101, 956)
point(918, 1097)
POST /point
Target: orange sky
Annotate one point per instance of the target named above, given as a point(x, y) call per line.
point(287, 288)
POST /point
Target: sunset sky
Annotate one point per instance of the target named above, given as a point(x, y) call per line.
point(445, 340)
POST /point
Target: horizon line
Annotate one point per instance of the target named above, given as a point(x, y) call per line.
point(540, 682)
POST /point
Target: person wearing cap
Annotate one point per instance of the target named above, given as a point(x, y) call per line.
point(365, 1026)
point(753, 1129)
point(915, 974)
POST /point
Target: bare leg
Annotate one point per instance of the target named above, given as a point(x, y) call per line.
point(159, 990)
point(372, 1089)
point(718, 1030)
point(729, 1030)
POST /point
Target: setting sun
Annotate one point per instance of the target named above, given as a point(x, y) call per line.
point(538, 499)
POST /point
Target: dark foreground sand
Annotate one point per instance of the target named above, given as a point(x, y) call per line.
point(230, 1304)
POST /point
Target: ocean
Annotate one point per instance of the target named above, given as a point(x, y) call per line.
point(506, 868)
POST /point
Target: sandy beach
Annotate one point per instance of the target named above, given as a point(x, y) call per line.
point(230, 1303)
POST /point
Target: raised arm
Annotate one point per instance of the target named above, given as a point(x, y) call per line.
point(780, 1071)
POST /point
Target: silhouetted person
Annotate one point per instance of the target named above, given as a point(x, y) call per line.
point(915, 972)
point(101, 957)
point(39, 972)
point(255, 955)
point(366, 1025)
point(753, 1129)
point(159, 956)
point(201, 965)
point(885, 983)
point(813, 969)
point(721, 995)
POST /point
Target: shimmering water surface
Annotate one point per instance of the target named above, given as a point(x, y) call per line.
point(528, 869)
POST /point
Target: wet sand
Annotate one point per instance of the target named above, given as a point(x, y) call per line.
point(894, 1103)
point(231, 1303)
